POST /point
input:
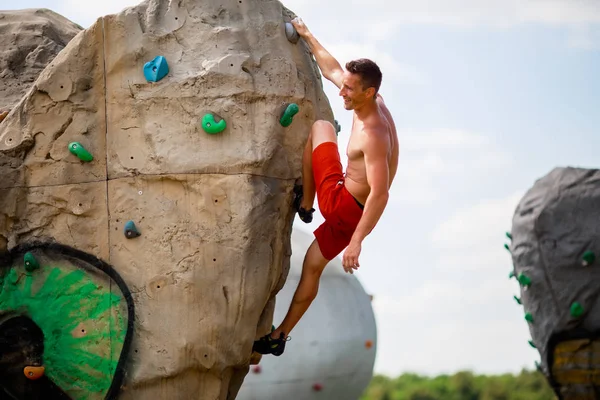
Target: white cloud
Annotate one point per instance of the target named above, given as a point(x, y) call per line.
point(86, 13)
point(443, 327)
point(428, 158)
point(472, 239)
point(393, 70)
point(458, 13)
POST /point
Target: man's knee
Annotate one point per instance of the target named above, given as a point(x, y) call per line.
point(322, 131)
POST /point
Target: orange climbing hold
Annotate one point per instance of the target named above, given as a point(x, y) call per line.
point(368, 344)
point(34, 373)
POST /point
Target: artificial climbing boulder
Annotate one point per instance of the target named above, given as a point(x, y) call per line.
point(215, 209)
point(555, 238)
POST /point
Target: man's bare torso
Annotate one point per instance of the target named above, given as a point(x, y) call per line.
point(356, 175)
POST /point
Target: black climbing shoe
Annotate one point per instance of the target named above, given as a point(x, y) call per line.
point(305, 216)
point(268, 345)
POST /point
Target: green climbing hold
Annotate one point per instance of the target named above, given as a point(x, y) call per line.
point(576, 310)
point(508, 235)
point(588, 258)
point(524, 280)
point(288, 115)
point(528, 317)
point(131, 231)
point(211, 126)
point(518, 300)
point(511, 275)
point(77, 149)
point(31, 264)
point(506, 247)
point(531, 344)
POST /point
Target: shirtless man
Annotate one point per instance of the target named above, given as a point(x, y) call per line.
point(352, 203)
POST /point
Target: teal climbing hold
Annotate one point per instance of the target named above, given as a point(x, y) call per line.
point(211, 126)
point(508, 235)
point(31, 264)
point(131, 231)
point(288, 115)
point(506, 247)
point(588, 258)
point(528, 317)
point(518, 300)
point(524, 280)
point(156, 69)
point(511, 275)
point(532, 344)
point(77, 149)
point(576, 310)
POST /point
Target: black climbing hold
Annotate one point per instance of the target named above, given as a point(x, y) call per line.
point(524, 280)
point(77, 149)
point(576, 310)
point(518, 300)
point(588, 258)
point(528, 317)
point(131, 230)
point(338, 127)
point(156, 69)
point(31, 264)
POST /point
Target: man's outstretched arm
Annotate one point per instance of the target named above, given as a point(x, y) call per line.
point(330, 67)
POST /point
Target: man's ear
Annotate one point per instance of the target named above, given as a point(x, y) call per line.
point(370, 92)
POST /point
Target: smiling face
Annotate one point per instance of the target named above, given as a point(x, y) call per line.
point(353, 92)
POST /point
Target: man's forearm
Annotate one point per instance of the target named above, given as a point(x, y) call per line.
point(327, 63)
point(374, 207)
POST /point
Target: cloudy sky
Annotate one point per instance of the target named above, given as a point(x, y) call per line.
point(488, 96)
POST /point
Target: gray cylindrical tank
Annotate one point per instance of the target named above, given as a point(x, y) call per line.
point(332, 350)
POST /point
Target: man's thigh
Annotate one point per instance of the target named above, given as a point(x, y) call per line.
point(321, 132)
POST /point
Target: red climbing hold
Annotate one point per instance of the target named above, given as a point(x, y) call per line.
point(34, 373)
point(317, 387)
point(256, 369)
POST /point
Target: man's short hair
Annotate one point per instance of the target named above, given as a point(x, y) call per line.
point(369, 72)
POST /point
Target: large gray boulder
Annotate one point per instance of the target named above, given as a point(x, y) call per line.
point(555, 248)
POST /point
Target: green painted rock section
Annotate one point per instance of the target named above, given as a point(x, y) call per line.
point(84, 323)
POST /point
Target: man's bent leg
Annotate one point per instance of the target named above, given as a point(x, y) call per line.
point(314, 263)
point(320, 132)
point(307, 289)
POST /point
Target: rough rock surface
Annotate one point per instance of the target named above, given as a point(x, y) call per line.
point(214, 211)
point(555, 236)
point(31, 38)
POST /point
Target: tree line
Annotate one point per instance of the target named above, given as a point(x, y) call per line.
point(464, 385)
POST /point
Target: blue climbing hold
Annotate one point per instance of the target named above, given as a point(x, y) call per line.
point(156, 69)
point(131, 230)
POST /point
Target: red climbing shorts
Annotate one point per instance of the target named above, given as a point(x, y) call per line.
point(339, 208)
